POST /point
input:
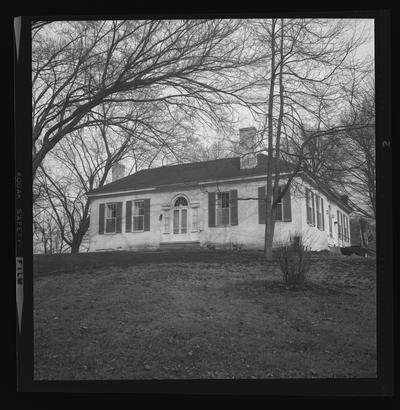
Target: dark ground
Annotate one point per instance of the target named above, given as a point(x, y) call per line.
point(208, 314)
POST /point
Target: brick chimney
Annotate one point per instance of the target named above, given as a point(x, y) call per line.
point(118, 171)
point(247, 144)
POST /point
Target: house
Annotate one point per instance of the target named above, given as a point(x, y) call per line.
point(212, 203)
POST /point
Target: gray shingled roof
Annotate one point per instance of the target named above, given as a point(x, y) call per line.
point(187, 173)
point(193, 172)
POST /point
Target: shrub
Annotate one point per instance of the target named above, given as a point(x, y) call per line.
point(294, 262)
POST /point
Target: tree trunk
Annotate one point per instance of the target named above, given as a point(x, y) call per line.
point(76, 243)
point(78, 237)
point(269, 220)
point(269, 232)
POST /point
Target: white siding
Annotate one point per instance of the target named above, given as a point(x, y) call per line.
point(247, 234)
point(317, 238)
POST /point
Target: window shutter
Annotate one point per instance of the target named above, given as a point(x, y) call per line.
point(119, 217)
point(234, 206)
point(338, 224)
point(287, 207)
point(147, 214)
point(128, 222)
point(313, 209)
point(262, 205)
point(323, 214)
point(318, 208)
point(101, 218)
point(211, 209)
point(307, 210)
point(342, 225)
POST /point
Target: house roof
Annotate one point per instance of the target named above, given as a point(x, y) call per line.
point(195, 172)
point(187, 173)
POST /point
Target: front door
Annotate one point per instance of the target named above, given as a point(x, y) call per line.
point(180, 220)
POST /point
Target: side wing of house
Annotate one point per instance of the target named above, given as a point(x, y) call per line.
point(325, 223)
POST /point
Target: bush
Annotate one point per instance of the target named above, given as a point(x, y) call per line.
point(358, 250)
point(294, 262)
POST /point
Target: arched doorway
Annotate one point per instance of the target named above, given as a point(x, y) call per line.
point(180, 216)
point(179, 222)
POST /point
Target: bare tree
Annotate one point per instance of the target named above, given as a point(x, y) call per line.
point(82, 161)
point(310, 61)
point(360, 179)
point(47, 237)
point(190, 65)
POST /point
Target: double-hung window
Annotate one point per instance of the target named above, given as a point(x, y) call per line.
point(111, 218)
point(222, 208)
point(138, 215)
point(330, 220)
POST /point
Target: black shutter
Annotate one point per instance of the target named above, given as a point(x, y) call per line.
point(313, 209)
point(234, 206)
point(147, 214)
point(307, 208)
point(323, 214)
point(286, 207)
point(211, 209)
point(338, 224)
point(128, 221)
point(119, 217)
point(101, 218)
point(262, 205)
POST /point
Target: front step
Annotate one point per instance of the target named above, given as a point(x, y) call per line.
point(180, 245)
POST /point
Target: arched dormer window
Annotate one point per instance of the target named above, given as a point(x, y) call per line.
point(180, 201)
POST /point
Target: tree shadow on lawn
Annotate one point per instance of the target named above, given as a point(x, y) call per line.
point(260, 286)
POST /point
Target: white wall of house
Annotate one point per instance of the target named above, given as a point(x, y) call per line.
point(247, 234)
point(318, 238)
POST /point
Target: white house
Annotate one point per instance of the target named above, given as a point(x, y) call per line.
point(212, 203)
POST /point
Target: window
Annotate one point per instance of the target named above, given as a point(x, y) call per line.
point(222, 208)
point(138, 216)
point(195, 219)
point(330, 220)
point(111, 218)
point(166, 222)
point(181, 201)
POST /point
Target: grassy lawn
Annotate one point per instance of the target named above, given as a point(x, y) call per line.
point(194, 315)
